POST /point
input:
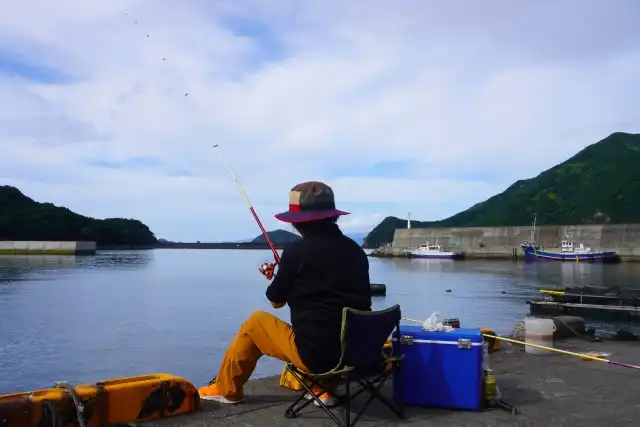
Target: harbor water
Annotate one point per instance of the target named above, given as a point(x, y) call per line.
point(124, 313)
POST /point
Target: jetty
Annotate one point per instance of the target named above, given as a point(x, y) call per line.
point(10, 247)
point(547, 390)
point(505, 242)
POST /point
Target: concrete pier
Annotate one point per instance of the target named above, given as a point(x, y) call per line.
point(46, 248)
point(548, 390)
point(504, 242)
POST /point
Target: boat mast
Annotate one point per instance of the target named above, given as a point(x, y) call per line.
point(533, 230)
point(409, 221)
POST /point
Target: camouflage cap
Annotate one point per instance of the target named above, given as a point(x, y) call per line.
point(310, 201)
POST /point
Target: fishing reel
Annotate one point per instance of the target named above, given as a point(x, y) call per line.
point(267, 269)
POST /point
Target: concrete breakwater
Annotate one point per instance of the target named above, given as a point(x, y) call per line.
point(504, 242)
point(8, 247)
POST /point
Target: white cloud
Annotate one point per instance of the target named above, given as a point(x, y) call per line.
point(475, 95)
point(360, 223)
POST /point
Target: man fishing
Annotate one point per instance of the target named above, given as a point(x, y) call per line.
point(317, 277)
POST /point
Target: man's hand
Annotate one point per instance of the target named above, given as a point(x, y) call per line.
point(267, 268)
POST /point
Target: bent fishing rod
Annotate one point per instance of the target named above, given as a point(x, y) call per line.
point(544, 347)
point(276, 256)
point(265, 268)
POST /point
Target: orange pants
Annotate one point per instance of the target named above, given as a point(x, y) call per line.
point(261, 334)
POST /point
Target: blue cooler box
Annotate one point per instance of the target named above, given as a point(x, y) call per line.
point(440, 368)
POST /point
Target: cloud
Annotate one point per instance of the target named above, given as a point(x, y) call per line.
point(360, 223)
point(421, 107)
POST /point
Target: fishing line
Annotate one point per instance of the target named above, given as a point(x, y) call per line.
point(264, 268)
point(557, 350)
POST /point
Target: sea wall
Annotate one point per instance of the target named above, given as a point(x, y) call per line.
point(500, 242)
point(46, 248)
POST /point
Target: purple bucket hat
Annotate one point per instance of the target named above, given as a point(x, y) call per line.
point(310, 201)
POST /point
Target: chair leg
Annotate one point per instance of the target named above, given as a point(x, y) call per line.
point(364, 407)
point(293, 410)
point(375, 391)
point(397, 371)
point(347, 404)
point(373, 387)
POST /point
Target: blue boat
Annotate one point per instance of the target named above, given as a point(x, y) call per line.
point(568, 252)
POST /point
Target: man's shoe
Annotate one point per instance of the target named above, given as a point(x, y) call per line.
point(210, 392)
point(325, 398)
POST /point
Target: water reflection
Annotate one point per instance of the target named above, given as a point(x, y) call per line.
point(16, 267)
point(423, 264)
point(37, 261)
point(583, 275)
point(549, 275)
point(46, 267)
point(119, 260)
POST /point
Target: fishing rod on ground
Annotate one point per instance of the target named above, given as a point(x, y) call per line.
point(543, 347)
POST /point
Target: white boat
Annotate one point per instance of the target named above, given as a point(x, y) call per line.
point(428, 250)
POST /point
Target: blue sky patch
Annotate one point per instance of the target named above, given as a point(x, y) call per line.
point(271, 47)
point(15, 65)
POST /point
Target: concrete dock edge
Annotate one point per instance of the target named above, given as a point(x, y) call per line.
point(8, 247)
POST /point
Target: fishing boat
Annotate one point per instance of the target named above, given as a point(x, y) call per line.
point(568, 250)
point(609, 304)
point(429, 250)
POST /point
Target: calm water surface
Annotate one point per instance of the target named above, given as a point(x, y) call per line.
point(84, 319)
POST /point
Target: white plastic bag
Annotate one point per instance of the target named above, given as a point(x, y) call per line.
point(434, 323)
point(431, 323)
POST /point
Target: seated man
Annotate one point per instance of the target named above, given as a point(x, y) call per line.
point(318, 276)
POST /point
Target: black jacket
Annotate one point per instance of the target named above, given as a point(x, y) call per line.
point(317, 277)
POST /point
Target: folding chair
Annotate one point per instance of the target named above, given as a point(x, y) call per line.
point(362, 339)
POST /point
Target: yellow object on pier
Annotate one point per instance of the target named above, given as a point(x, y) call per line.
point(121, 400)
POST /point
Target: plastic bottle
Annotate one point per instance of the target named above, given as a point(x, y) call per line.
point(490, 388)
point(485, 356)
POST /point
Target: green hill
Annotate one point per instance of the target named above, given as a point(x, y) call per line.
point(600, 184)
point(22, 218)
point(278, 237)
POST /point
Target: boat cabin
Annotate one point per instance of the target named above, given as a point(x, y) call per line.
point(428, 247)
point(568, 245)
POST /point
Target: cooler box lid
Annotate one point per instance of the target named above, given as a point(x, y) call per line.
point(461, 333)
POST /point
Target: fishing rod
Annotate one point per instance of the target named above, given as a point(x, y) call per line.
point(557, 350)
point(276, 256)
point(265, 268)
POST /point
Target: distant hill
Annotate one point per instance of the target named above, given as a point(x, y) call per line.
point(283, 237)
point(22, 218)
point(278, 237)
point(600, 184)
point(383, 232)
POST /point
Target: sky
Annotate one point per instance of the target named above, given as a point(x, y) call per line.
point(112, 108)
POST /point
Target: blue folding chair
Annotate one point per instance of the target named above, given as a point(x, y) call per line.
point(363, 336)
